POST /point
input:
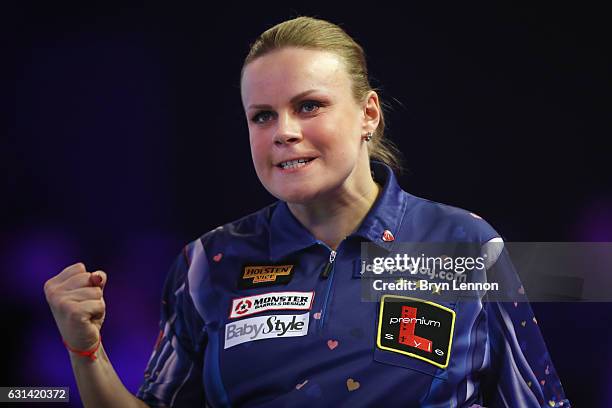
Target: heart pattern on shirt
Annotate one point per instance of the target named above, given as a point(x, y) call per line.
point(332, 344)
point(352, 385)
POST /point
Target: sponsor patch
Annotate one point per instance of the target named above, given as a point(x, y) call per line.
point(255, 276)
point(265, 327)
point(249, 305)
point(416, 328)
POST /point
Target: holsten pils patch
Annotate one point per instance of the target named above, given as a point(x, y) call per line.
point(249, 305)
point(416, 328)
point(265, 327)
point(255, 276)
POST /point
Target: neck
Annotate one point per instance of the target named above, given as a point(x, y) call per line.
point(330, 220)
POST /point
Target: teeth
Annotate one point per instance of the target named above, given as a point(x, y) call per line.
point(292, 164)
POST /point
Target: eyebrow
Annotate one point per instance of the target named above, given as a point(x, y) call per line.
point(293, 100)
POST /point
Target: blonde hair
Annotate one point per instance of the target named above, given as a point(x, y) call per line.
point(316, 34)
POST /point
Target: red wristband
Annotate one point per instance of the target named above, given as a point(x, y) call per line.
point(91, 354)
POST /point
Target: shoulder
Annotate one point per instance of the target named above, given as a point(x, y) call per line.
point(211, 251)
point(448, 222)
point(252, 228)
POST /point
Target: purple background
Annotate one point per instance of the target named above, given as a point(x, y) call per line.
point(123, 138)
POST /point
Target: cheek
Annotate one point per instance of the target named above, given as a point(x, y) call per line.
point(257, 148)
point(339, 138)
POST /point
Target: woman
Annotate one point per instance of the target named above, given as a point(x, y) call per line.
point(267, 310)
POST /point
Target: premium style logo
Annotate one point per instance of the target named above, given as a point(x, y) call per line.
point(250, 305)
point(416, 328)
point(264, 275)
point(265, 327)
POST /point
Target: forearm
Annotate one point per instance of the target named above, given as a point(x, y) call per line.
point(99, 385)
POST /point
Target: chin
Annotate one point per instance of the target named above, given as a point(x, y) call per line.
point(296, 196)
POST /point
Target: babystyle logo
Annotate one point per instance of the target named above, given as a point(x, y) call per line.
point(265, 327)
point(249, 305)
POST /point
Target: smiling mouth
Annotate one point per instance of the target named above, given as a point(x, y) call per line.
point(294, 164)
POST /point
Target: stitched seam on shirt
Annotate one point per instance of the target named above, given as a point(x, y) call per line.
point(400, 225)
point(181, 386)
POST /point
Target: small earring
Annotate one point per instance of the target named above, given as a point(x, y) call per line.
point(368, 137)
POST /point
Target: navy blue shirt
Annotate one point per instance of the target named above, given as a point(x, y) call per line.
point(249, 320)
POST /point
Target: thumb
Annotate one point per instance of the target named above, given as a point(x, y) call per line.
point(98, 278)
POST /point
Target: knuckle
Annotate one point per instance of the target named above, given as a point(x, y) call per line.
point(74, 314)
point(53, 298)
point(65, 307)
point(48, 288)
point(69, 267)
point(77, 267)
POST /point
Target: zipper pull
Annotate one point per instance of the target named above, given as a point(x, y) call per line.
point(329, 265)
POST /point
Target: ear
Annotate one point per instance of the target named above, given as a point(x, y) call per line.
point(371, 112)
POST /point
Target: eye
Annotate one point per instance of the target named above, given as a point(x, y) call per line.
point(310, 106)
point(262, 117)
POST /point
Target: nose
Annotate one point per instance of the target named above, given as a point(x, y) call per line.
point(288, 130)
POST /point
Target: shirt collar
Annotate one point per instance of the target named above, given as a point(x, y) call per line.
point(288, 235)
point(387, 212)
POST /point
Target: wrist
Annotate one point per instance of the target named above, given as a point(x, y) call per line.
point(90, 354)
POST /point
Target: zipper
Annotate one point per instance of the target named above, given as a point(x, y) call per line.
point(329, 266)
point(328, 272)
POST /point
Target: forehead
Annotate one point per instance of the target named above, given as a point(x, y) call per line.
point(289, 71)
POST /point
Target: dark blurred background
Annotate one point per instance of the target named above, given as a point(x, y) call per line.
point(123, 138)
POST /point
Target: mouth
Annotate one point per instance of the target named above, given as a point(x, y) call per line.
point(295, 163)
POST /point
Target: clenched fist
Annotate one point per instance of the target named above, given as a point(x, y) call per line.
point(75, 298)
